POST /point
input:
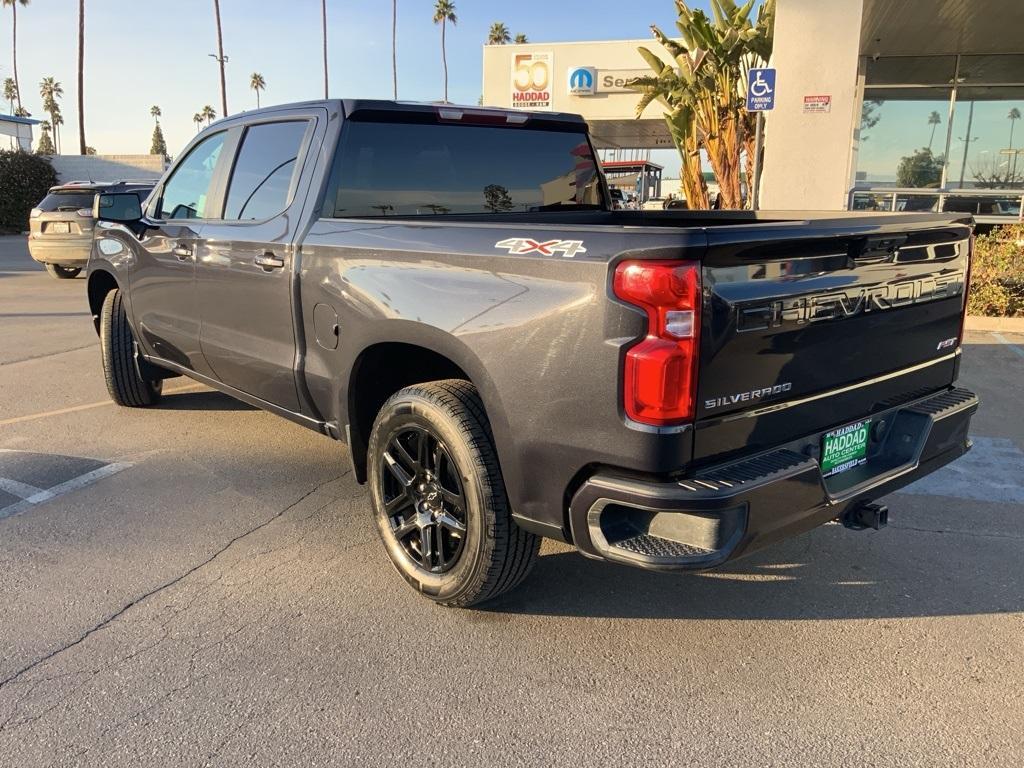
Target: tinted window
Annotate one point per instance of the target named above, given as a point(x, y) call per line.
point(185, 193)
point(263, 171)
point(67, 200)
point(392, 169)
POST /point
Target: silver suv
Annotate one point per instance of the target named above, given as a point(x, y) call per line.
point(60, 227)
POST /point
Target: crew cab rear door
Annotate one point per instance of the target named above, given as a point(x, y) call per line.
point(807, 325)
point(244, 267)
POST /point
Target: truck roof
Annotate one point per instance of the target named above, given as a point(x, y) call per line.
point(416, 111)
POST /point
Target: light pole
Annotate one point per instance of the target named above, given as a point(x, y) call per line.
point(221, 60)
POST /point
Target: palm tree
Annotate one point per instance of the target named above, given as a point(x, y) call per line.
point(220, 59)
point(58, 121)
point(394, 47)
point(51, 90)
point(933, 120)
point(444, 12)
point(499, 34)
point(197, 118)
point(10, 92)
point(209, 114)
point(1013, 117)
point(257, 83)
point(323, 25)
point(82, 146)
point(14, 42)
point(155, 113)
point(520, 39)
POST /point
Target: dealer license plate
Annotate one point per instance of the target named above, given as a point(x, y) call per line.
point(845, 448)
point(58, 228)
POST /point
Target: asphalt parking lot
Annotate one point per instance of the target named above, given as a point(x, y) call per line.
point(201, 583)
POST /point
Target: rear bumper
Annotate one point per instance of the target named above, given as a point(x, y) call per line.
point(68, 252)
point(727, 511)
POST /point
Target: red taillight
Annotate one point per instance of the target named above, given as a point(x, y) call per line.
point(660, 374)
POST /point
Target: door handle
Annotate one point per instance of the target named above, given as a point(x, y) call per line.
point(269, 261)
point(182, 252)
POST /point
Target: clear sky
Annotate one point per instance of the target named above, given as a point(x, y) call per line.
point(140, 53)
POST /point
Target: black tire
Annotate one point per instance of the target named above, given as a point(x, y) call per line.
point(62, 273)
point(124, 384)
point(492, 554)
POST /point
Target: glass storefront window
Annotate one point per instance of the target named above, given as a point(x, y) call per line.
point(987, 147)
point(902, 137)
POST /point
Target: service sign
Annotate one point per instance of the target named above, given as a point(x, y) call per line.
point(531, 80)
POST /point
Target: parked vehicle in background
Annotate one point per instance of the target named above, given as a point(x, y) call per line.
point(618, 199)
point(448, 290)
point(61, 226)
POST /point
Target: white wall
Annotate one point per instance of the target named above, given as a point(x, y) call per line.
point(107, 167)
point(807, 156)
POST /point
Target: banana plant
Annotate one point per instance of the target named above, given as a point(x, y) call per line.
point(702, 88)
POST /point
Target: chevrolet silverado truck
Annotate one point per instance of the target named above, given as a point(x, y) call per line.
point(451, 292)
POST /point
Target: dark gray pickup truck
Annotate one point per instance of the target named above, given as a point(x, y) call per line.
point(449, 291)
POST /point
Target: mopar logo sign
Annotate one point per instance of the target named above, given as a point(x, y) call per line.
point(582, 81)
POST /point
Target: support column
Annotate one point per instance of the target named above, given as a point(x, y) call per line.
point(808, 153)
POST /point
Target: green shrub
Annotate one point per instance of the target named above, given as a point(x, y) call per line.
point(24, 181)
point(997, 273)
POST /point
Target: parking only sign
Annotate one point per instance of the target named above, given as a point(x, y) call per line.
point(760, 89)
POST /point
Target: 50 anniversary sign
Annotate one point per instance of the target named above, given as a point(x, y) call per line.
point(531, 80)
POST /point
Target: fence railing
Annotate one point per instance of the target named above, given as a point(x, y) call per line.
point(988, 206)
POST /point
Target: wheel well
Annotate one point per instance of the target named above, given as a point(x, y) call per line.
point(100, 284)
point(379, 372)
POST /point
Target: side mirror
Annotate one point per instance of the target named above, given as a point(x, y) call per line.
point(119, 207)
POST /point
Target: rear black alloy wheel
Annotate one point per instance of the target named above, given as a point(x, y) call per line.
point(439, 499)
point(423, 498)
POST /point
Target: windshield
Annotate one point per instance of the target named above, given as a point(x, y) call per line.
point(403, 169)
point(67, 200)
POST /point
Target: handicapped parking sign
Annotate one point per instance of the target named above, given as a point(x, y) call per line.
point(760, 89)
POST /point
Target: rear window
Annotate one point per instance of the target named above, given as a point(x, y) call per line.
point(70, 200)
point(399, 169)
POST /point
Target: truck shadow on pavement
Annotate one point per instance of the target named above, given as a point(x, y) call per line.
point(824, 574)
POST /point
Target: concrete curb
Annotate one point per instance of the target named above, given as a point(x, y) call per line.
point(1007, 324)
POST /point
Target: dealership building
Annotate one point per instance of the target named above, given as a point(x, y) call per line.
point(878, 104)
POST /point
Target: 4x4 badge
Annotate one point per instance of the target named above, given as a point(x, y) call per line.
point(518, 245)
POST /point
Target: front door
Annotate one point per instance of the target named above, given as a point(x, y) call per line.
point(163, 296)
point(244, 265)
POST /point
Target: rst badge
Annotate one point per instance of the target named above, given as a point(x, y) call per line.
point(522, 245)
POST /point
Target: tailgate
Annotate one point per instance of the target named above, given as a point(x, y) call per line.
point(813, 324)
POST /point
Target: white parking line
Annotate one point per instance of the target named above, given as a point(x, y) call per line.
point(40, 495)
point(87, 406)
point(992, 471)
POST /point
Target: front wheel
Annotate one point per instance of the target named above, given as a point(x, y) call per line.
point(124, 384)
point(62, 273)
point(439, 499)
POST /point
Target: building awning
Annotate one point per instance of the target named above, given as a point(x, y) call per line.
point(17, 119)
point(630, 134)
point(927, 27)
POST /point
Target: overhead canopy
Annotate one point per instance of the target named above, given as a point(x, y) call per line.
point(630, 134)
point(923, 27)
point(18, 127)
